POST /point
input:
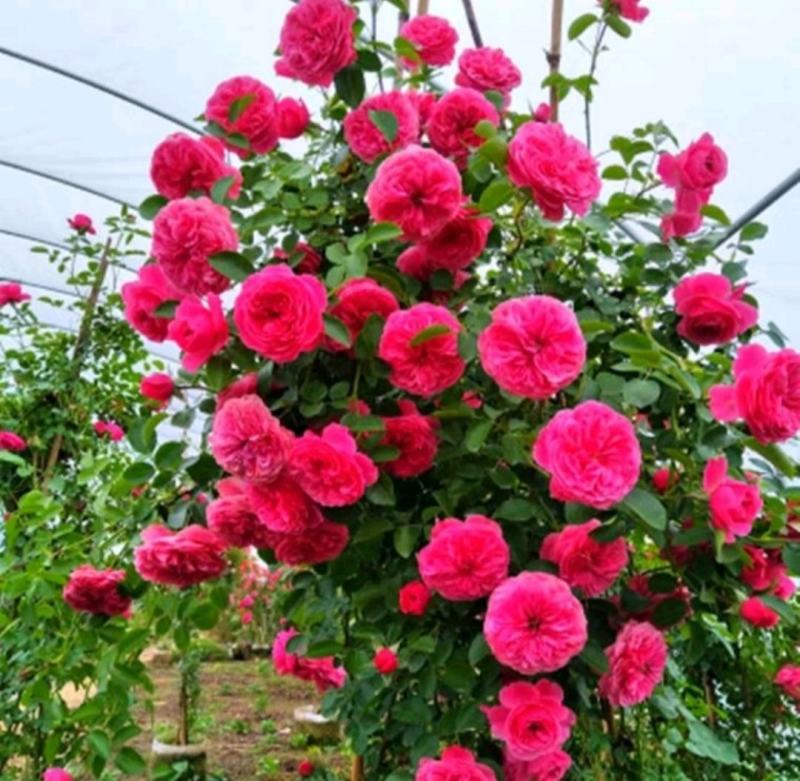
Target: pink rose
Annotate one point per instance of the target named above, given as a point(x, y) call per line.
point(11, 441)
point(591, 453)
point(182, 165)
point(385, 661)
point(700, 167)
point(82, 223)
point(198, 330)
point(636, 662)
point(423, 102)
point(533, 347)
point(329, 468)
point(557, 168)
point(247, 441)
point(143, 297)
point(534, 624)
point(413, 598)
point(456, 764)
point(315, 545)
point(543, 112)
point(322, 672)
point(365, 138)
point(464, 560)
point(765, 393)
point(232, 517)
point(664, 479)
point(583, 562)
point(279, 313)
point(531, 719)
point(97, 591)
point(186, 233)
point(418, 190)
point(432, 37)
point(458, 244)
point(547, 767)
point(451, 127)
point(317, 41)
point(110, 429)
point(711, 309)
point(303, 258)
point(630, 9)
point(56, 774)
point(422, 367)
point(12, 293)
point(764, 570)
point(356, 301)
point(788, 678)
point(755, 612)
point(293, 118)
point(247, 385)
point(414, 436)
point(181, 559)
point(486, 69)
point(283, 507)
point(734, 505)
point(244, 106)
point(680, 223)
point(157, 386)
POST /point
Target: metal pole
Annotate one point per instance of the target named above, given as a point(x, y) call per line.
point(473, 23)
point(98, 86)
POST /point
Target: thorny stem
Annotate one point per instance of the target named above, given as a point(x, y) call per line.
point(587, 100)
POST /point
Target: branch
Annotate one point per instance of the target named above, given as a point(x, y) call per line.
point(473, 23)
point(554, 55)
point(598, 45)
point(422, 7)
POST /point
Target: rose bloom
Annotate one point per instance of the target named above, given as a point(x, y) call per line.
point(432, 37)
point(199, 331)
point(56, 774)
point(423, 102)
point(788, 678)
point(363, 136)
point(543, 112)
point(534, 624)
point(486, 69)
point(279, 313)
point(451, 127)
point(322, 672)
point(385, 661)
point(734, 505)
point(246, 385)
point(303, 258)
point(305, 768)
point(430, 366)
point(764, 569)
point(460, 242)
point(765, 393)
point(293, 118)
point(664, 479)
point(755, 612)
point(417, 262)
point(630, 9)
point(255, 112)
point(356, 301)
point(418, 190)
point(110, 429)
point(533, 347)
point(552, 766)
point(700, 167)
point(413, 598)
point(12, 293)
point(11, 441)
point(282, 506)
point(157, 386)
point(317, 41)
point(557, 168)
point(90, 590)
point(232, 517)
point(531, 719)
point(686, 217)
point(82, 223)
point(464, 560)
point(315, 545)
point(636, 662)
point(248, 441)
point(329, 468)
point(181, 559)
point(143, 297)
point(456, 764)
point(182, 165)
point(711, 309)
point(414, 435)
point(582, 561)
point(591, 453)
point(186, 233)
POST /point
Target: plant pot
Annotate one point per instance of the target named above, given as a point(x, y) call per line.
point(315, 725)
point(194, 755)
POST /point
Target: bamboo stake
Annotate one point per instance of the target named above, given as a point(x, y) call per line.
point(357, 769)
point(422, 7)
point(554, 55)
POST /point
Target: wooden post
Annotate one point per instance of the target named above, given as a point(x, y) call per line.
point(554, 55)
point(357, 769)
point(422, 7)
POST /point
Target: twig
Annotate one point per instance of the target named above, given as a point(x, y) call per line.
point(473, 23)
point(554, 55)
point(422, 7)
point(598, 44)
point(402, 18)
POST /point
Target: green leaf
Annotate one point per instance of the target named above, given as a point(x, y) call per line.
point(478, 650)
point(369, 61)
point(382, 232)
point(361, 423)
point(151, 206)
point(386, 122)
point(614, 173)
point(324, 648)
point(715, 213)
point(431, 332)
point(753, 231)
point(515, 510)
point(783, 609)
point(350, 85)
point(170, 455)
point(239, 105)
point(791, 558)
point(669, 612)
point(335, 329)
point(476, 435)
point(220, 189)
point(167, 309)
point(204, 615)
point(703, 742)
point(406, 49)
point(142, 433)
point(632, 342)
point(405, 539)
point(382, 493)
point(100, 743)
point(594, 656)
point(618, 26)
point(647, 507)
point(130, 761)
point(499, 192)
point(138, 473)
point(485, 129)
point(203, 469)
point(232, 265)
point(580, 25)
point(641, 393)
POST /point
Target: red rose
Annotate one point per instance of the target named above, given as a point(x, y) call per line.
point(356, 301)
point(414, 435)
point(143, 297)
point(305, 768)
point(366, 139)
point(413, 598)
point(157, 386)
point(433, 38)
point(198, 330)
point(385, 661)
point(486, 69)
point(11, 293)
point(97, 591)
point(82, 223)
point(451, 127)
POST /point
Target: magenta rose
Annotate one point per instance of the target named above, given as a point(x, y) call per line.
point(232, 517)
point(314, 545)
point(322, 672)
point(699, 167)
point(356, 301)
point(414, 436)
point(303, 258)
point(157, 387)
point(12, 293)
point(413, 598)
point(200, 331)
point(293, 118)
point(90, 590)
point(757, 613)
point(81, 224)
point(788, 678)
point(12, 442)
point(456, 764)
point(143, 297)
point(432, 37)
point(546, 767)
point(636, 662)
point(366, 139)
point(283, 507)
point(486, 69)
point(734, 505)
point(451, 127)
point(458, 244)
point(56, 774)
